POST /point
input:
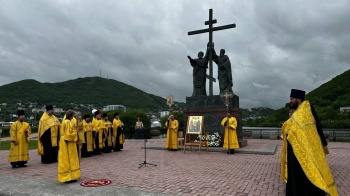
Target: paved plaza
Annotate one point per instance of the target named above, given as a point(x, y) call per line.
point(253, 170)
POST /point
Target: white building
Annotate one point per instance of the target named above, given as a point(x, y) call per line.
point(156, 124)
point(164, 113)
point(114, 107)
point(55, 110)
point(344, 109)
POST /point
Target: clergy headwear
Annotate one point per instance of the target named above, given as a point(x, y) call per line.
point(86, 116)
point(104, 115)
point(116, 114)
point(93, 111)
point(96, 112)
point(49, 107)
point(298, 94)
point(20, 112)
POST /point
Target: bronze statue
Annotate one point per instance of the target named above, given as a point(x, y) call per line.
point(224, 71)
point(200, 66)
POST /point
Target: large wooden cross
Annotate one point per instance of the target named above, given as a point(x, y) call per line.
point(210, 22)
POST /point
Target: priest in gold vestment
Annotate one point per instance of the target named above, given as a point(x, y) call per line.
point(48, 136)
point(87, 149)
point(230, 136)
point(68, 158)
point(118, 137)
point(171, 142)
point(97, 125)
point(107, 134)
point(19, 133)
point(304, 165)
point(139, 124)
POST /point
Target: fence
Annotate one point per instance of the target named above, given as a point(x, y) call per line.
point(335, 135)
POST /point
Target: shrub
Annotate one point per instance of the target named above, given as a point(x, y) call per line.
point(155, 132)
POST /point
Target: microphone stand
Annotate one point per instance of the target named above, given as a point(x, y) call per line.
point(145, 162)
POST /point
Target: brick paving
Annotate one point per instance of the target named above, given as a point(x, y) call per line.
point(209, 174)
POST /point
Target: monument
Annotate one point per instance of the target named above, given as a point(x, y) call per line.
point(200, 66)
point(213, 107)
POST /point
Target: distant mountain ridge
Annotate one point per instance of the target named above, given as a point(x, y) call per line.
point(89, 90)
point(327, 98)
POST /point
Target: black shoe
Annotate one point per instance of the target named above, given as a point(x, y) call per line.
point(15, 166)
point(71, 181)
point(22, 165)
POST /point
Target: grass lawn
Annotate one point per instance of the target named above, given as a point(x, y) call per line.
point(5, 145)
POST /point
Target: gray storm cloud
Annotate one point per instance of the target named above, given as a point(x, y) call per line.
point(276, 45)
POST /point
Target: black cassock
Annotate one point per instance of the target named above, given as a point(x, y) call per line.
point(108, 143)
point(118, 146)
point(50, 153)
point(84, 152)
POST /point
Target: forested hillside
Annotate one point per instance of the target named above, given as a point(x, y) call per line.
point(327, 99)
point(90, 90)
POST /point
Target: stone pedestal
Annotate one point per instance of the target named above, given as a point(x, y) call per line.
point(214, 110)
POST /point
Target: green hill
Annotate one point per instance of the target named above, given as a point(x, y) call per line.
point(327, 99)
point(335, 93)
point(90, 90)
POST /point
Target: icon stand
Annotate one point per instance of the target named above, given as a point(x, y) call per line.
point(145, 162)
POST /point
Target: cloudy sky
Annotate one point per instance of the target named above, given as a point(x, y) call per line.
point(277, 45)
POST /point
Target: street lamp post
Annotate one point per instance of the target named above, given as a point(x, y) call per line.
point(227, 97)
point(32, 120)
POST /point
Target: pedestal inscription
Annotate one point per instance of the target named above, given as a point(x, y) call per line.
point(214, 110)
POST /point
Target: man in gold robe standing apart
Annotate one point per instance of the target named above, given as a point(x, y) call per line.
point(48, 136)
point(139, 124)
point(230, 136)
point(304, 165)
point(171, 142)
point(19, 133)
point(68, 158)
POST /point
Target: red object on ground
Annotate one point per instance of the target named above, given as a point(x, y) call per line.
point(96, 182)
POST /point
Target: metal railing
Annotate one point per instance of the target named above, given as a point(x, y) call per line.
point(275, 133)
